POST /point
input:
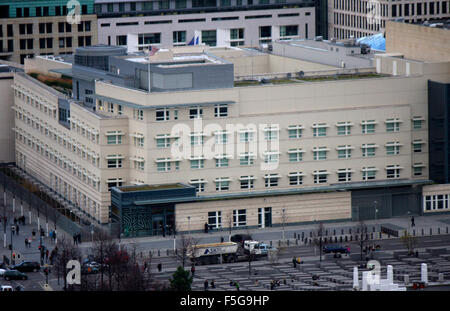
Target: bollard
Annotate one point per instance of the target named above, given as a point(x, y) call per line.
point(371, 236)
point(342, 231)
point(288, 242)
point(159, 252)
point(295, 235)
point(167, 252)
point(373, 229)
point(326, 232)
point(350, 231)
point(334, 231)
point(296, 242)
point(335, 239)
point(345, 238)
point(270, 243)
point(439, 230)
point(351, 238)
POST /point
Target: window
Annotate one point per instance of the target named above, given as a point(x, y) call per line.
point(197, 163)
point(271, 180)
point(271, 133)
point(344, 128)
point(149, 38)
point(288, 31)
point(368, 126)
point(417, 145)
point(215, 218)
point(344, 175)
point(147, 6)
point(139, 114)
point(265, 32)
point(114, 162)
point(209, 37)
point(392, 125)
point(180, 4)
point(195, 112)
point(417, 123)
point(295, 155)
point(246, 159)
point(393, 148)
point(369, 173)
point(295, 131)
point(295, 178)
point(199, 184)
point(368, 150)
point(114, 183)
point(221, 111)
point(113, 138)
point(271, 157)
point(179, 37)
point(320, 153)
point(138, 140)
point(344, 152)
point(196, 139)
point(221, 161)
point(121, 40)
point(164, 4)
point(320, 177)
point(222, 184)
point(239, 218)
point(119, 110)
point(246, 135)
point(237, 36)
point(162, 141)
point(221, 137)
point(163, 165)
point(320, 130)
point(393, 171)
point(247, 182)
point(162, 114)
point(417, 169)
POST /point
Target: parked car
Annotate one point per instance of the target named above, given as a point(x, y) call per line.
point(26, 266)
point(14, 275)
point(264, 248)
point(6, 288)
point(336, 249)
point(90, 268)
point(2, 272)
point(240, 238)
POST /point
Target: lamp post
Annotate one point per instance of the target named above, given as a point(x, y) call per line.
point(189, 224)
point(283, 219)
point(12, 228)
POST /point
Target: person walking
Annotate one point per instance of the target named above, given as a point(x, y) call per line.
point(46, 255)
point(74, 239)
point(237, 285)
point(193, 270)
point(26, 242)
point(412, 222)
point(17, 229)
point(159, 267)
point(206, 285)
point(213, 285)
point(294, 262)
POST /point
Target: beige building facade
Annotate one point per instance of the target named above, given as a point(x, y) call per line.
point(362, 18)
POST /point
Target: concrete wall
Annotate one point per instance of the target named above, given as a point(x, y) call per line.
point(298, 209)
point(43, 66)
point(418, 42)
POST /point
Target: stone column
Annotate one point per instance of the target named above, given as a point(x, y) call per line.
point(424, 273)
point(364, 280)
point(355, 277)
point(390, 274)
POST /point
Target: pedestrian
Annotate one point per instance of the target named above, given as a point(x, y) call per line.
point(145, 266)
point(206, 285)
point(74, 239)
point(294, 262)
point(412, 222)
point(17, 229)
point(26, 242)
point(206, 227)
point(159, 267)
point(15, 220)
point(272, 285)
point(237, 286)
point(33, 233)
point(46, 255)
point(213, 284)
point(193, 270)
point(13, 229)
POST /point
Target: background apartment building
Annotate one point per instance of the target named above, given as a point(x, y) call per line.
point(167, 23)
point(39, 27)
point(359, 18)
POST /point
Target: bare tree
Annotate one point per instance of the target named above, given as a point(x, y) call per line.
point(104, 247)
point(185, 246)
point(409, 241)
point(318, 235)
point(361, 230)
point(283, 219)
point(65, 251)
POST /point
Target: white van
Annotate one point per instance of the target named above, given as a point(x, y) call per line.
point(6, 288)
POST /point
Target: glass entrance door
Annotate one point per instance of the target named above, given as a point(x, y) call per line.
point(264, 217)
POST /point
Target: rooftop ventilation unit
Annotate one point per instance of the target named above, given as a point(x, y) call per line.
point(318, 38)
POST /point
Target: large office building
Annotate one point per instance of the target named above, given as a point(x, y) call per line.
point(359, 18)
point(40, 27)
point(230, 137)
point(141, 24)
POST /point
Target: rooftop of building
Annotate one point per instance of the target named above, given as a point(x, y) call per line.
point(152, 187)
point(436, 23)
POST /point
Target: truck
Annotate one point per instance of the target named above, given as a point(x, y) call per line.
point(214, 253)
point(257, 248)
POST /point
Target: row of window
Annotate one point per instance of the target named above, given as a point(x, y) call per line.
point(436, 202)
point(54, 157)
point(297, 178)
point(177, 4)
point(35, 101)
point(42, 11)
point(45, 129)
